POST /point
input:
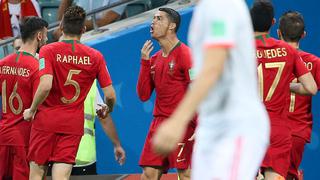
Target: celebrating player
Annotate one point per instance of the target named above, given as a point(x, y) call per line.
point(168, 72)
point(292, 29)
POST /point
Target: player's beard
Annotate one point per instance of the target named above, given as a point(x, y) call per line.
point(41, 43)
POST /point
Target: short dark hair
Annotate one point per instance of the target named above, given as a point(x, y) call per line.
point(291, 25)
point(30, 25)
point(73, 20)
point(173, 16)
point(262, 14)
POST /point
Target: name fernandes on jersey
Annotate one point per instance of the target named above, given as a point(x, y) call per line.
point(85, 60)
point(16, 71)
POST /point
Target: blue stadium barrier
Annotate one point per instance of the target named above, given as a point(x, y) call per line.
point(132, 117)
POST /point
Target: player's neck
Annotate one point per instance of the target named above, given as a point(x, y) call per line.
point(294, 44)
point(260, 33)
point(29, 47)
point(168, 44)
point(67, 37)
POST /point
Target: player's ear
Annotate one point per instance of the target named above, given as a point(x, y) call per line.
point(39, 35)
point(279, 34)
point(172, 26)
point(304, 34)
point(84, 29)
point(61, 26)
point(274, 21)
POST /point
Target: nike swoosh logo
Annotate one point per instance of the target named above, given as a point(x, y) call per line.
point(180, 160)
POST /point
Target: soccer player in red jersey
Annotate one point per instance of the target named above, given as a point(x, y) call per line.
point(168, 73)
point(67, 70)
point(19, 81)
point(292, 29)
point(277, 61)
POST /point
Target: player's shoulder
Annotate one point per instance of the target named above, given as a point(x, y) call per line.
point(50, 47)
point(8, 58)
point(91, 51)
point(184, 50)
point(308, 56)
point(291, 50)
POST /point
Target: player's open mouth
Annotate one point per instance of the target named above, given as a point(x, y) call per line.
point(151, 29)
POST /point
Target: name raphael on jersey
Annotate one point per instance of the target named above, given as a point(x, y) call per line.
point(85, 60)
point(272, 53)
point(15, 71)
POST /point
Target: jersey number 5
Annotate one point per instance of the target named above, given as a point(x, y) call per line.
point(13, 95)
point(280, 67)
point(74, 83)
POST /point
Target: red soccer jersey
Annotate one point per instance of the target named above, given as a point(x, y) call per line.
point(277, 61)
point(74, 67)
point(300, 115)
point(169, 76)
point(19, 80)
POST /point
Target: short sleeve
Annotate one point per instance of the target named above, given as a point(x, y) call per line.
point(317, 72)
point(45, 61)
point(299, 66)
point(103, 75)
point(186, 64)
point(219, 28)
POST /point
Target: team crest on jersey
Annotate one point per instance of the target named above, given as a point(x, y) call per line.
point(41, 64)
point(171, 66)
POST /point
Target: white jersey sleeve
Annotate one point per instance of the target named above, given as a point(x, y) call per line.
point(219, 27)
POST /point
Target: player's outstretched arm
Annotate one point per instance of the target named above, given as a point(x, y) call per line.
point(172, 130)
point(307, 85)
point(110, 130)
point(40, 95)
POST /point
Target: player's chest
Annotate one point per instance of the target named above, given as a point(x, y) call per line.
point(166, 69)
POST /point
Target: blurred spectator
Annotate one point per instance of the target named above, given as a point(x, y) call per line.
point(103, 18)
point(12, 12)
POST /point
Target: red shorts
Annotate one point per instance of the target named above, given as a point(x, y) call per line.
point(278, 153)
point(48, 147)
point(180, 158)
point(13, 162)
point(297, 149)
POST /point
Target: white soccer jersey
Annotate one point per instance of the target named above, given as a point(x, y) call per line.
point(235, 98)
point(233, 131)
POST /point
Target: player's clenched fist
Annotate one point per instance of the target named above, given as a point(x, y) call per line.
point(146, 50)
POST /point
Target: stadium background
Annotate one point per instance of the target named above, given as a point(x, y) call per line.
point(132, 117)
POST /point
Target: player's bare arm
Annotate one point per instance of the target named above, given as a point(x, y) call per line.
point(307, 85)
point(171, 131)
point(110, 99)
point(110, 129)
point(41, 94)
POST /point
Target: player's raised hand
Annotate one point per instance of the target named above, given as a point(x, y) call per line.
point(102, 111)
point(119, 154)
point(168, 136)
point(146, 50)
point(28, 115)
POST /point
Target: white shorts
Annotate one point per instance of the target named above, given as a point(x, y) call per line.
point(227, 156)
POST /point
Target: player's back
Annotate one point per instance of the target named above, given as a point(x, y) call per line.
point(299, 106)
point(74, 67)
point(19, 79)
point(277, 61)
